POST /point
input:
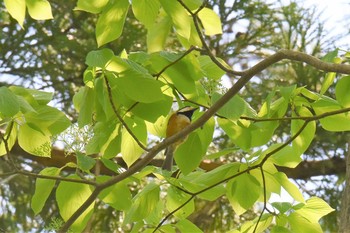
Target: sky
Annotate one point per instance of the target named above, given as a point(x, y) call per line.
point(334, 14)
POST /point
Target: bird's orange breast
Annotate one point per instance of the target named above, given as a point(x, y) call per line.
point(176, 123)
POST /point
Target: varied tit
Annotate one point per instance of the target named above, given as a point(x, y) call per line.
point(177, 122)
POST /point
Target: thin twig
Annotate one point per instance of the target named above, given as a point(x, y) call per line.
point(192, 48)
point(58, 178)
point(173, 212)
point(265, 201)
point(109, 90)
point(248, 74)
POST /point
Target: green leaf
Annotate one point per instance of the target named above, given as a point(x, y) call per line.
point(206, 133)
point(280, 229)
point(9, 103)
point(329, 57)
point(175, 198)
point(83, 101)
point(282, 207)
point(49, 120)
point(185, 225)
point(342, 90)
point(34, 142)
point(146, 11)
point(70, 196)
point(246, 134)
point(158, 33)
point(17, 9)
point(118, 195)
point(180, 74)
point(104, 134)
point(314, 209)
point(193, 40)
point(111, 165)
point(140, 89)
point(11, 136)
point(43, 188)
point(31, 98)
point(143, 204)
point(193, 4)
point(299, 223)
point(130, 150)
point(179, 17)
point(338, 122)
point(99, 58)
point(304, 139)
point(209, 68)
point(233, 109)
point(92, 6)
point(213, 177)
point(289, 187)
point(152, 111)
point(189, 154)
point(39, 9)
point(110, 23)
point(286, 157)
point(84, 162)
point(211, 21)
point(238, 195)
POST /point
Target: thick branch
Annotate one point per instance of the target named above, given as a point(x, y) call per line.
point(305, 170)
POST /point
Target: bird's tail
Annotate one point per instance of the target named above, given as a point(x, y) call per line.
point(169, 157)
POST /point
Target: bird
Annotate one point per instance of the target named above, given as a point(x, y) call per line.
point(177, 122)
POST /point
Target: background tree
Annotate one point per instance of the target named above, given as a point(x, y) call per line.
point(54, 53)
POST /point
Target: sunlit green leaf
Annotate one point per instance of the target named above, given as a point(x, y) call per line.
point(34, 142)
point(238, 191)
point(210, 69)
point(286, 157)
point(185, 225)
point(143, 203)
point(314, 209)
point(337, 122)
point(70, 196)
point(39, 9)
point(118, 195)
point(84, 162)
point(17, 9)
point(211, 21)
point(180, 74)
point(299, 223)
point(43, 188)
point(99, 58)
point(304, 139)
point(282, 207)
point(233, 109)
point(9, 104)
point(92, 6)
point(289, 187)
point(179, 16)
point(175, 198)
point(342, 91)
point(146, 11)
point(48, 119)
point(130, 150)
point(110, 23)
point(157, 34)
point(329, 78)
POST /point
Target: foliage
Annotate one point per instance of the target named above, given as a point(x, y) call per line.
point(126, 98)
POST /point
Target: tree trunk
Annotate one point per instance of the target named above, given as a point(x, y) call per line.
point(344, 225)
